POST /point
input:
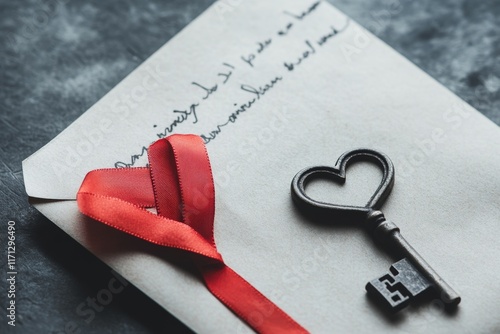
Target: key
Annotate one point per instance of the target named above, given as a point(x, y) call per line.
point(408, 278)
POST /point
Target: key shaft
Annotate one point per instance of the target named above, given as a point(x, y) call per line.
point(389, 234)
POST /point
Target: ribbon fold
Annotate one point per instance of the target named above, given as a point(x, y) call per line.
point(178, 183)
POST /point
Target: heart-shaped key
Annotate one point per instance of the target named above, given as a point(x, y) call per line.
point(409, 277)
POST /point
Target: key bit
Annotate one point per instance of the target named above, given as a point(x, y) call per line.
point(410, 276)
point(398, 287)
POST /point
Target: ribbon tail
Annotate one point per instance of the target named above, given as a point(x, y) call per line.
point(247, 302)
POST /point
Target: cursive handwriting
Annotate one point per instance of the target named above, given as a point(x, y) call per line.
point(208, 91)
point(305, 13)
point(333, 32)
point(228, 74)
point(256, 92)
point(182, 116)
point(285, 31)
point(290, 66)
point(133, 159)
point(261, 47)
point(306, 54)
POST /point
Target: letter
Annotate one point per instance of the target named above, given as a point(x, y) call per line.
point(361, 39)
point(267, 310)
point(266, 136)
point(208, 91)
point(121, 164)
point(82, 312)
point(47, 3)
point(127, 100)
point(154, 74)
point(192, 111)
point(114, 289)
point(395, 7)
point(244, 329)
point(311, 51)
point(405, 168)
point(222, 179)
point(72, 158)
point(283, 115)
point(102, 300)
point(292, 281)
point(92, 303)
point(463, 110)
point(318, 253)
point(28, 32)
point(222, 7)
point(310, 265)
point(249, 60)
point(84, 147)
point(118, 107)
point(276, 296)
point(71, 328)
point(148, 83)
point(255, 142)
point(138, 94)
point(298, 271)
point(382, 16)
point(105, 125)
point(12, 305)
point(233, 167)
point(250, 89)
point(427, 146)
point(120, 278)
point(373, 26)
point(44, 19)
point(255, 318)
point(274, 124)
point(348, 51)
point(451, 117)
point(94, 136)
point(438, 135)
point(417, 158)
point(12, 323)
point(289, 66)
point(234, 3)
point(200, 202)
point(247, 151)
point(13, 41)
point(161, 71)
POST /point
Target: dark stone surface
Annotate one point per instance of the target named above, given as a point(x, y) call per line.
point(59, 57)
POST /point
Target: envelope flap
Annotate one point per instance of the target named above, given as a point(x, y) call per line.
point(57, 170)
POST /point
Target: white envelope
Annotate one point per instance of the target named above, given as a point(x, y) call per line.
point(347, 89)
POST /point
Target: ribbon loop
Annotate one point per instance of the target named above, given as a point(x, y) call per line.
point(179, 184)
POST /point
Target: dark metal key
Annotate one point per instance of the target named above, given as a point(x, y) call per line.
point(409, 277)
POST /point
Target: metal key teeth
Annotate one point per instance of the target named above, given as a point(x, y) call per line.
point(397, 288)
point(399, 294)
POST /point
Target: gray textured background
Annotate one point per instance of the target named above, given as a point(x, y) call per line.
point(58, 57)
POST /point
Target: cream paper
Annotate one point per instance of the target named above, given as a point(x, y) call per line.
point(228, 76)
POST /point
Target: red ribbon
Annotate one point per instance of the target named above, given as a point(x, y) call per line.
point(179, 184)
